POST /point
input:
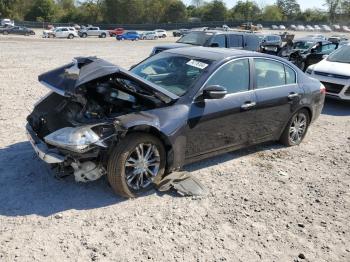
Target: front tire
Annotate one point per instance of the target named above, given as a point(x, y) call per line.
point(136, 162)
point(103, 35)
point(296, 128)
point(70, 36)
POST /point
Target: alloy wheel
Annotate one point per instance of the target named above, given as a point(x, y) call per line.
point(298, 128)
point(141, 166)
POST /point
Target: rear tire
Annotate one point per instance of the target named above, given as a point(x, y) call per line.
point(103, 35)
point(128, 173)
point(84, 35)
point(296, 128)
point(5, 33)
point(70, 36)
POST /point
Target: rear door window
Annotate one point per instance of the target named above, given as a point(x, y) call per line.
point(235, 40)
point(269, 73)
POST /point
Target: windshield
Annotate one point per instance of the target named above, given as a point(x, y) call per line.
point(341, 55)
point(303, 45)
point(196, 38)
point(172, 72)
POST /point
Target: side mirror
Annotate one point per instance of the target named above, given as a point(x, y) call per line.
point(214, 92)
point(214, 45)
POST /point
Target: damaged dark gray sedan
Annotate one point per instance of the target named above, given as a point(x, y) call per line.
point(176, 107)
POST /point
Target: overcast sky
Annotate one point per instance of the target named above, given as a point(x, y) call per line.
point(303, 3)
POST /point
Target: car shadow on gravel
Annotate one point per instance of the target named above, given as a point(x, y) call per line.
point(335, 107)
point(28, 186)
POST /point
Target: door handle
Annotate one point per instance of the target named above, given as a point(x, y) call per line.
point(248, 105)
point(293, 95)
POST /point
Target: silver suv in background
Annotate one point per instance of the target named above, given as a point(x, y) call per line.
point(92, 31)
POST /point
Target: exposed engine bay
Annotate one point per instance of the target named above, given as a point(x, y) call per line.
point(99, 102)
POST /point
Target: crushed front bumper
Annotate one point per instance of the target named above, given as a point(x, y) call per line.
point(50, 156)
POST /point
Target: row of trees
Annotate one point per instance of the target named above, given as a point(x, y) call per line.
point(166, 11)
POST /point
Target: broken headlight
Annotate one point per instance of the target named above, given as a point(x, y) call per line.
point(76, 139)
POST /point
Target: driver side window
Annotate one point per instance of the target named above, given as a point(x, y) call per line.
point(234, 76)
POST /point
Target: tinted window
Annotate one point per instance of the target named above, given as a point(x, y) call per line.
point(269, 73)
point(64, 29)
point(235, 40)
point(327, 49)
point(220, 40)
point(290, 75)
point(341, 55)
point(196, 38)
point(234, 76)
point(174, 73)
point(252, 42)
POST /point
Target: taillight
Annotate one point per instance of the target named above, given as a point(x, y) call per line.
point(322, 89)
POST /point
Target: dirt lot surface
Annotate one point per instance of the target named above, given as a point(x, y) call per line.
point(266, 203)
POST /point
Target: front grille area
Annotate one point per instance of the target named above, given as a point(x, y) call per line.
point(332, 88)
point(331, 75)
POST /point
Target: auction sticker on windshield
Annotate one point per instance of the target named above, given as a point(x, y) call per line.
point(197, 64)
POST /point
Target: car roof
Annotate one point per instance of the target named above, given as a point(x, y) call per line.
point(315, 40)
point(211, 53)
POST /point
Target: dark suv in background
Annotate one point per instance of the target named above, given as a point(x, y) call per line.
point(215, 38)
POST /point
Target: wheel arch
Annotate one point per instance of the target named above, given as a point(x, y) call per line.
point(307, 108)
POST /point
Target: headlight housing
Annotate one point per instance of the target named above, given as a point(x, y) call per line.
point(77, 139)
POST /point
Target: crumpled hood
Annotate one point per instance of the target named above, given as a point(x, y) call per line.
point(67, 79)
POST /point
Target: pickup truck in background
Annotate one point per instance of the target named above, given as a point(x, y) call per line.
point(92, 31)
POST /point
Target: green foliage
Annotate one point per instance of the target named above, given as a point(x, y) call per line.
point(289, 8)
point(42, 10)
point(214, 11)
point(168, 11)
point(245, 10)
point(271, 13)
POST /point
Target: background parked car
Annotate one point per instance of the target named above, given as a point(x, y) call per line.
point(92, 31)
point(293, 27)
point(336, 28)
point(17, 30)
point(317, 28)
point(346, 29)
point(149, 36)
point(180, 32)
point(271, 44)
point(215, 38)
point(300, 28)
point(274, 27)
point(61, 32)
point(326, 28)
point(7, 22)
point(161, 33)
point(309, 28)
point(306, 51)
point(336, 39)
point(334, 73)
point(130, 35)
point(116, 31)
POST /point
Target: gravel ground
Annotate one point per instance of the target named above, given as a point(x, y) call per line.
point(266, 203)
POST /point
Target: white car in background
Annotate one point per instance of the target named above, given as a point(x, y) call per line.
point(309, 28)
point(317, 28)
point(7, 22)
point(300, 28)
point(326, 28)
point(161, 33)
point(149, 36)
point(61, 32)
point(334, 73)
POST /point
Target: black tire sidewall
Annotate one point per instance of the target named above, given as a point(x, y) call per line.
point(116, 163)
